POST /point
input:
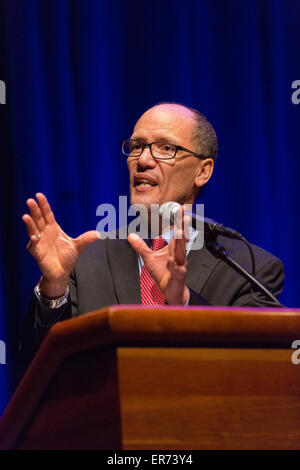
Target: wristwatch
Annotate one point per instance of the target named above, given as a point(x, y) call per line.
point(51, 303)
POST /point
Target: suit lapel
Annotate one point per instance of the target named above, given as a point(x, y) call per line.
point(200, 264)
point(123, 261)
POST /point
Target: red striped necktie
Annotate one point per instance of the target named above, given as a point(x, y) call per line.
point(150, 292)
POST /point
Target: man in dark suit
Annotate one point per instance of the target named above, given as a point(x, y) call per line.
point(171, 156)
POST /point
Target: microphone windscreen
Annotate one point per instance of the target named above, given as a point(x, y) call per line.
point(169, 210)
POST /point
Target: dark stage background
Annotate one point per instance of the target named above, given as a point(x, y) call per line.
point(79, 73)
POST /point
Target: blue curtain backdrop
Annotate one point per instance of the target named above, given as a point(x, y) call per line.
point(79, 73)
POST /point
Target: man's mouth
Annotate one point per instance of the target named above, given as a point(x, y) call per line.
point(144, 184)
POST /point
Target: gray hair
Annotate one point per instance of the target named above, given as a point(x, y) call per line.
point(205, 136)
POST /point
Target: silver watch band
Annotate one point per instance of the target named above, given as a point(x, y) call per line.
point(51, 303)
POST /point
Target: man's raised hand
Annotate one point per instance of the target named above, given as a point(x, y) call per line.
point(167, 266)
point(55, 252)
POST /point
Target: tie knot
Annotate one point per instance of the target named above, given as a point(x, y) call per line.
point(158, 243)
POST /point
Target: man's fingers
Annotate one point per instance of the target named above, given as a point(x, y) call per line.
point(36, 214)
point(178, 272)
point(180, 219)
point(30, 245)
point(85, 239)
point(32, 229)
point(181, 238)
point(179, 247)
point(45, 208)
point(183, 223)
point(186, 227)
point(139, 245)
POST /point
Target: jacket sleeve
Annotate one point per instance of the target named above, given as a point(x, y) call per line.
point(38, 321)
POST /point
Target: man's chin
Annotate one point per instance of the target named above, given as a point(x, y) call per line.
point(146, 203)
point(145, 199)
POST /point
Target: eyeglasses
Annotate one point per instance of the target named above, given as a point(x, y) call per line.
point(159, 150)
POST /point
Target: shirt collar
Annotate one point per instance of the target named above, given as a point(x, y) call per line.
point(167, 236)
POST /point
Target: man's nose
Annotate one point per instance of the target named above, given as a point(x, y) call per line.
point(145, 159)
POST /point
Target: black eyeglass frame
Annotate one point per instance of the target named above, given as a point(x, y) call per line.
point(177, 147)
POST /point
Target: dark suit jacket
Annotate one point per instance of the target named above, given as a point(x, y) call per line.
point(107, 273)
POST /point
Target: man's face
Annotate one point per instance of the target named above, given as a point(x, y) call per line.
point(158, 181)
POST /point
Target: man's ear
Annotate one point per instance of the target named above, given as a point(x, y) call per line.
point(204, 172)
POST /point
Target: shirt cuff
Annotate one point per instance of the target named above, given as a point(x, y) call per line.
point(188, 300)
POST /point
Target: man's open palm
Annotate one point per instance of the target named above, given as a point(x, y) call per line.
point(55, 252)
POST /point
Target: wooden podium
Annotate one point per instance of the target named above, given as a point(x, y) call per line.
point(130, 377)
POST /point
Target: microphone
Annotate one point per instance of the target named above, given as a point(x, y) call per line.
point(170, 210)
